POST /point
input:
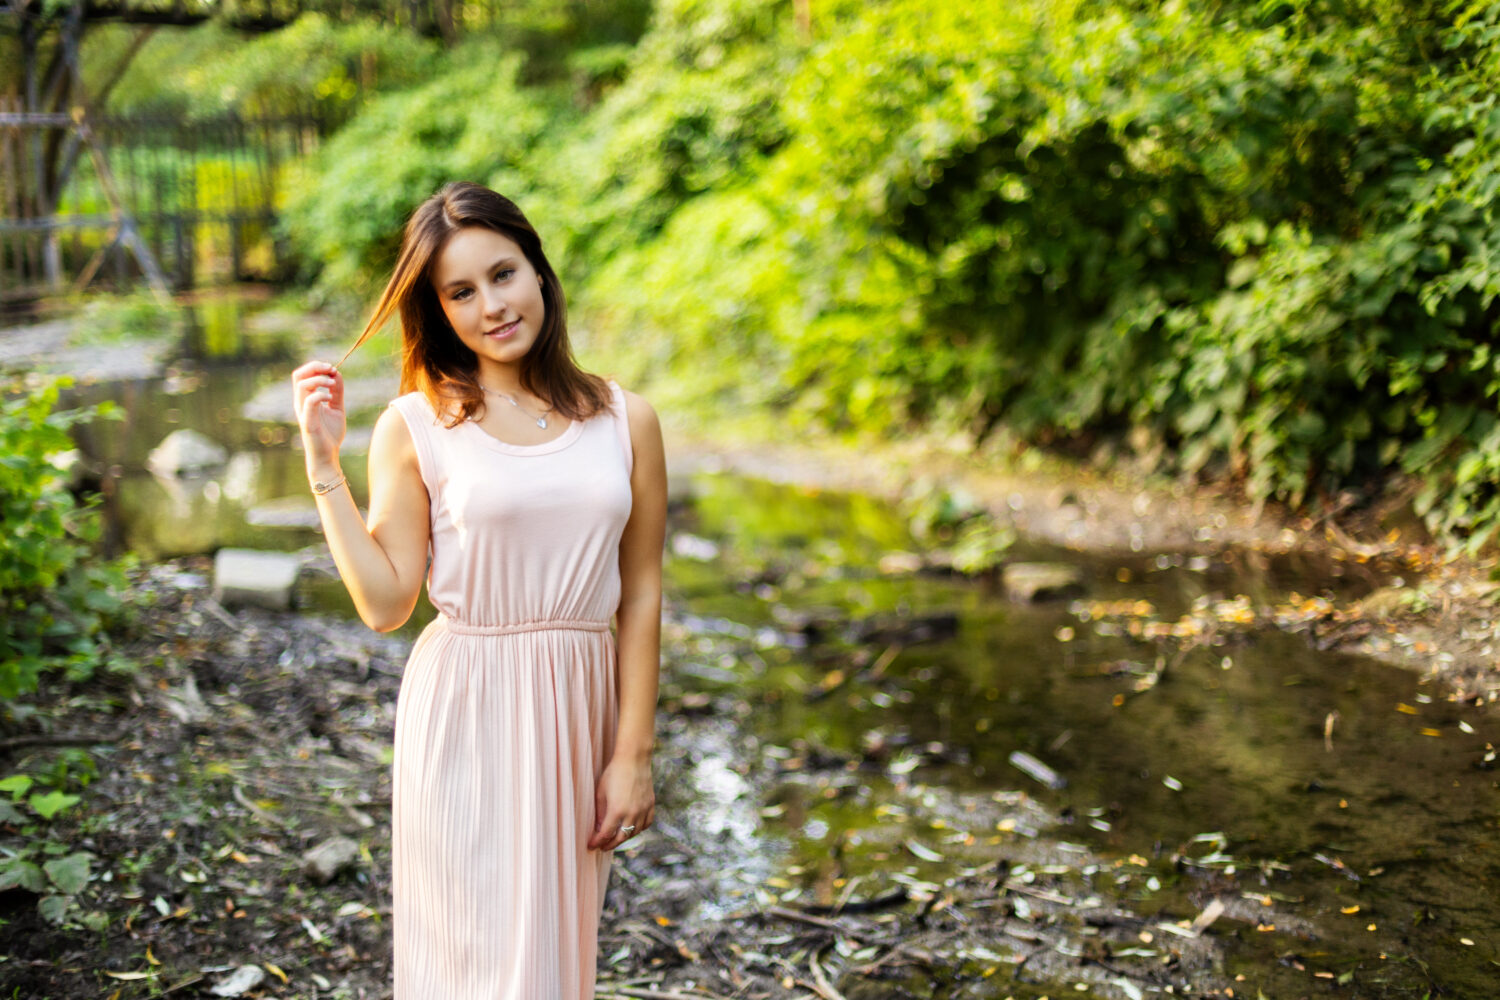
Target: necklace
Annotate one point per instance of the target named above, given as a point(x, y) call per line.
point(541, 421)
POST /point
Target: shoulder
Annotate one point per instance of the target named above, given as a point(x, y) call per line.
point(414, 403)
point(639, 413)
point(393, 435)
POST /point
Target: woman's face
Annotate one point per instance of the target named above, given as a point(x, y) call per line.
point(490, 293)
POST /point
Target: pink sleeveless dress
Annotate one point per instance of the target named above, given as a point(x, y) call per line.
point(507, 712)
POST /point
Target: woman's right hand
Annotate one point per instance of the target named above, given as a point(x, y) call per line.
point(318, 397)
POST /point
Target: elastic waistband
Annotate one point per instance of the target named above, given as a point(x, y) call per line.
point(469, 628)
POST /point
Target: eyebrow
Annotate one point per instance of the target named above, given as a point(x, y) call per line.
point(460, 281)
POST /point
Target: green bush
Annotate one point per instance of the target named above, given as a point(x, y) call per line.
point(59, 600)
point(1233, 230)
point(312, 64)
point(1252, 240)
point(474, 122)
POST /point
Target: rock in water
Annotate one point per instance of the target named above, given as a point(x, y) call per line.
point(1032, 582)
point(247, 576)
point(324, 862)
point(185, 453)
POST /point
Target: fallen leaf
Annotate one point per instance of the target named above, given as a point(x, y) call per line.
point(921, 851)
point(1213, 911)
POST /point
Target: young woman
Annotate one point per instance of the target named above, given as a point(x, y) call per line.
point(524, 728)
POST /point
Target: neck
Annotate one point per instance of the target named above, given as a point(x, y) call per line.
point(502, 378)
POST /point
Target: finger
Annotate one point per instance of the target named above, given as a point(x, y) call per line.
point(308, 383)
point(621, 834)
point(604, 826)
point(609, 830)
point(601, 809)
point(316, 381)
point(311, 367)
point(618, 833)
point(310, 405)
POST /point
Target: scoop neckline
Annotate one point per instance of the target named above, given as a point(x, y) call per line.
point(567, 437)
point(558, 443)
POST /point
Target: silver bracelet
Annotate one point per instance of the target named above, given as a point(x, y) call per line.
point(320, 487)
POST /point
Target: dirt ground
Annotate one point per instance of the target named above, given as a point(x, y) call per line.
point(252, 740)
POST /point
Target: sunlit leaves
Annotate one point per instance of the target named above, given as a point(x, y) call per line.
point(1244, 243)
point(50, 619)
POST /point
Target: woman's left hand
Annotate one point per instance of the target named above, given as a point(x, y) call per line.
point(623, 797)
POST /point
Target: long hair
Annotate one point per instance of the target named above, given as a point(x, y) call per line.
point(433, 360)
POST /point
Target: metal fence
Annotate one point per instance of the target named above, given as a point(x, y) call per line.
point(202, 195)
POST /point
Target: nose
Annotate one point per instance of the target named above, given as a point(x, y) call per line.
point(494, 301)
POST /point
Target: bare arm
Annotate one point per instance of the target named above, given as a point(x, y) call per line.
point(625, 798)
point(639, 616)
point(381, 564)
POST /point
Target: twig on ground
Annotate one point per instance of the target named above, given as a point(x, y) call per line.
point(58, 740)
point(263, 815)
point(825, 988)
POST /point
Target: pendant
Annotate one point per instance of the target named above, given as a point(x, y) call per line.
point(541, 422)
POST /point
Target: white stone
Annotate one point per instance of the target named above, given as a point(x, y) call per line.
point(248, 576)
point(324, 862)
point(239, 982)
point(185, 452)
point(1030, 582)
point(72, 465)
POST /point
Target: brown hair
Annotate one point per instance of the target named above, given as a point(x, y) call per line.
point(433, 360)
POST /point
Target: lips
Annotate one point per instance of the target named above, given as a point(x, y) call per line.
point(503, 331)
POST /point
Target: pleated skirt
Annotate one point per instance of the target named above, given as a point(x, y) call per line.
point(500, 739)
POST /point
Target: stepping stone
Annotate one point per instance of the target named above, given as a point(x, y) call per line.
point(1029, 583)
point(186, 453)
point(248, 576)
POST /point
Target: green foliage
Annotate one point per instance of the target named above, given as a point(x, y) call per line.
point(105, 318)
point(472, 122)
point(697, 111)
point(57, 880)
point(59, 601)
point(955, 521)
point(1222, 230)
point(314, 64)
point(1255, 241)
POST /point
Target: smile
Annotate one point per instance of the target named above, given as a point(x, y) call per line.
point(503, 331)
